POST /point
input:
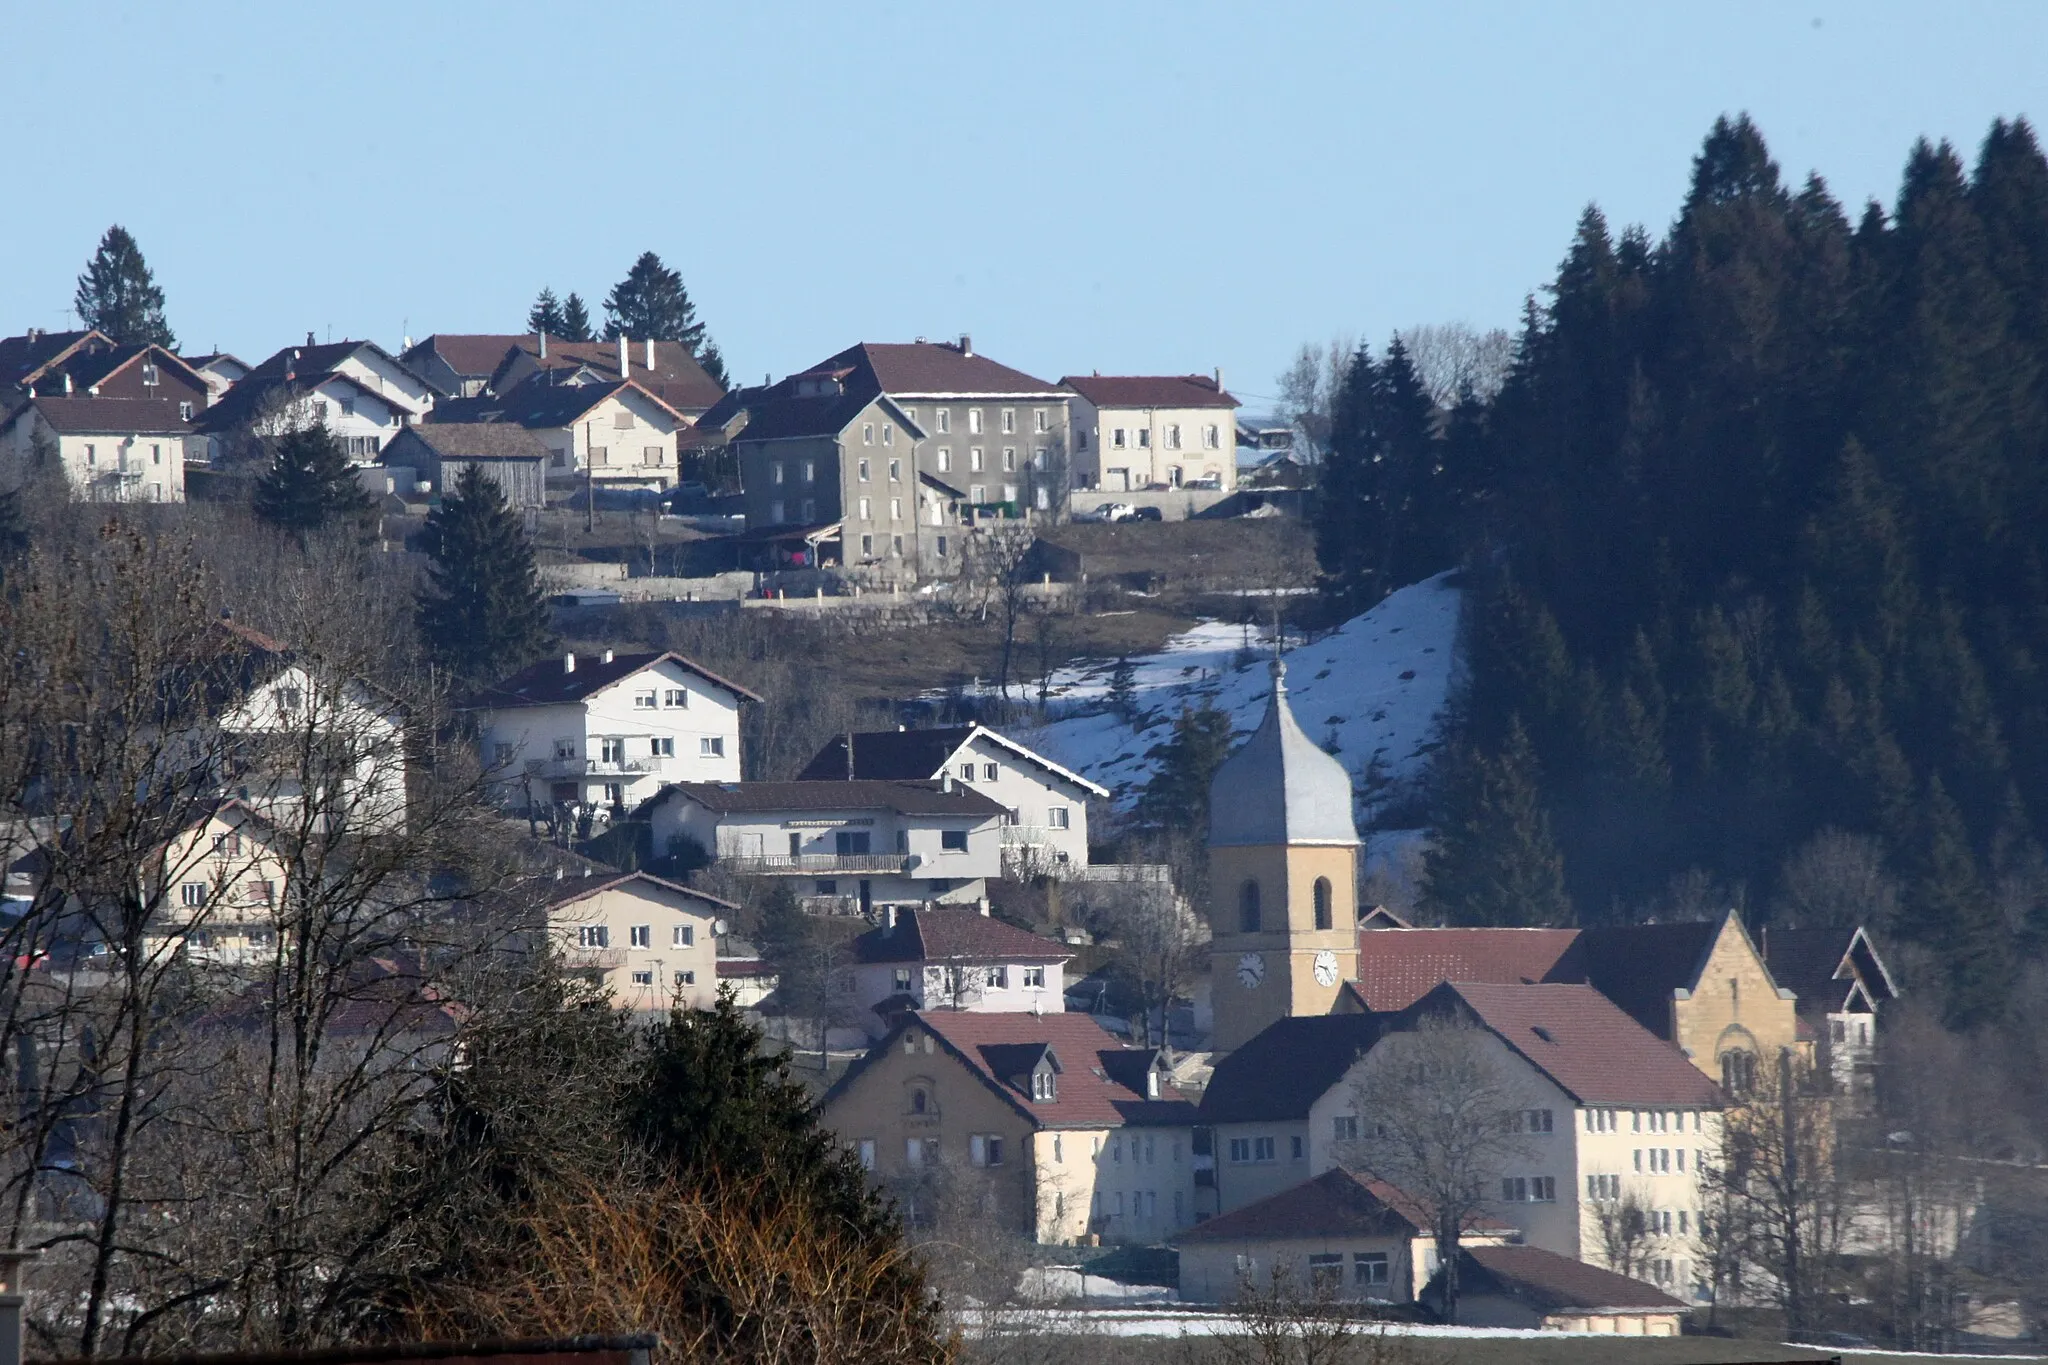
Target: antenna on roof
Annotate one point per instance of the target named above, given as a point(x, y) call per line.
point(849, 755)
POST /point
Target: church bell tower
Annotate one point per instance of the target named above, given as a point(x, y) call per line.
point(1283, 883)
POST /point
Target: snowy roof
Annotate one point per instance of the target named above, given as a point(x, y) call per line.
point(1279, 788)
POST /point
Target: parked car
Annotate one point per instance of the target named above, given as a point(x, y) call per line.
point(1147, 514)
point(1110, 511)
point(1212, 484)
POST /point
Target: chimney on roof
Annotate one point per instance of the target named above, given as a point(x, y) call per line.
point(946, 781)
point(569, 663)
point(983, 903)
point(888, 919)
point(650, 352)
point(543, 344)
point(625, 357)
point(1219, 379)
point(920, 341)
point(309, 338)
point(67, 383)
point(607, 656)
point(966, 344)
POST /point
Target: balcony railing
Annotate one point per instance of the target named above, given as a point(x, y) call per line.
point(815, 864)
point(594, 767)
point(1033, 834)
point(603, 959)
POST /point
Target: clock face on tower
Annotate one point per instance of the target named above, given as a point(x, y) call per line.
point(1251, 970)
point(1326, 968)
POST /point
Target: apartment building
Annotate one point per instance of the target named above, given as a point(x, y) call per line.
point(649, 944)
point(1139, 432)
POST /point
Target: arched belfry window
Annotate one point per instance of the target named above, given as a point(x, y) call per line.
point(1248, 908)
point(1325, 917)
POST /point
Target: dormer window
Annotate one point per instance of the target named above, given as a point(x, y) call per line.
point(1152, 1084)
point(1044, 1085)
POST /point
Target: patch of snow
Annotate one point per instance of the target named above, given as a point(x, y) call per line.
point(1375, 688)
point(1066, 1284)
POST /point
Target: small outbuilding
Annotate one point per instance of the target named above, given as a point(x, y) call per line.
point(1528, 1287)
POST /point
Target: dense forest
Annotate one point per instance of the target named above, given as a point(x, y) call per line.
point(1754, 536)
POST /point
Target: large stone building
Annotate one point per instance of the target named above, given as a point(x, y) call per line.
point(1282, 875)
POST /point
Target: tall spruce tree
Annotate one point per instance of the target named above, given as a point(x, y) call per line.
point(575, 319)
point(1494, 861)
point(546, 314)
point(118, 295)
point(713, 361)
point(310, 485)
point(1177, 797)
point(652, 303)
point(481, 612)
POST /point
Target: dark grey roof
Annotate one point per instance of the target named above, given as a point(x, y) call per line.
point(474, 441)
point(1638, 966)
point(572, 889)
point(109, 416)
point(905, 798)
point(1336, 1203)
point(1279, 787)
point(953, 934)
point(1287, 1067)
point(1822, 966)
point(551, 684)
point(295, 369)
point(537, 401)
point(888, 755)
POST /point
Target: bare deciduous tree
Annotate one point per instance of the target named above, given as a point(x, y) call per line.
point(1453, 359)
point(1309, 388)
point(1834, 880)
point(1437, 1110)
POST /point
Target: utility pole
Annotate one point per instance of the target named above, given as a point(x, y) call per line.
point(589, 483)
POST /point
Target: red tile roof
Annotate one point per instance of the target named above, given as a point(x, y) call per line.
point(924, 368)
point(675, 377)
point(1337, 1203)
point(1551, 1283)
point(1150, 390)
point(950, 934)
point(1585, 1043)
point(1397, 967)
point(472, 355)
point(110, 416)
point(1093, 1089)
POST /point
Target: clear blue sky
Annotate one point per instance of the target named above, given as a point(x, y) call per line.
point(1112, 186)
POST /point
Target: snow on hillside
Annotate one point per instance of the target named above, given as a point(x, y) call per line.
point(1372, 690)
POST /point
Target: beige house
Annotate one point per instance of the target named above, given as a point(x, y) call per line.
point(108, 449)
point(1138, 432)
point(1048, 1123)
point(1283, 887)
point(650, 944)
point(610, 433)
point(1338, 1233)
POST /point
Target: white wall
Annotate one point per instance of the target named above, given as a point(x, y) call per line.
point(108, 467)
point(1155, 462)
point(766, 834)
point(393, 381)
point(1030, 791)
point(517, 737)
point(934, 986)
point(1130, 1184)
point(626, 464)
point(359, 724)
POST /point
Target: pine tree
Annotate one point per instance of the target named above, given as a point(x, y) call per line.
point(310, 485)
point(651, 304)
point(1951, 909)
point(546, 314)
point(118, 295)
point(1177, 797)
point(1494, 861)
point(481, 612)
point(1123, 687)
point(575, 319)
point(713, 361)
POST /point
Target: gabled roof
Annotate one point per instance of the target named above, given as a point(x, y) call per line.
point(1550, 1283)
point(109, 416)
point(473, 355)
point(570, 890)
point(676, 378)
point(1824, 967)
point(541, 401)
point(298, 369)
point(898, 754)
point(549, 683)
point(96, 367)
point(904, 798)
point(1581, 1040)
point(1287, 1067)
point(926, 369)
point(1337, 1203)
point(1150, 391)
point(1397, 967)
point(1640, 967)
point(954, 935)
point(23, 358)
point(1089, 1093)
point(473, 441)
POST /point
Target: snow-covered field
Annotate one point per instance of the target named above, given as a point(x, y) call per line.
point(1372, 691)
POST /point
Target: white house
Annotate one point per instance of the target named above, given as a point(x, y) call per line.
point(1133, 432)
point(649, 944)
point(953, 958)
point(220, 370)
point(846, 846)
point(608, 729)
point(1045, 826)
point(109, 449)
point(1607, 1110)
point(273, 701)
point(361, 393)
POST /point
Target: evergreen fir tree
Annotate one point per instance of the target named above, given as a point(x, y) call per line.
point(1177, 797)
point(652, 304)
point(118, 295)
point(575, 319)
point(1123, 687)
point(1952, 909)
point(713, 361)
point(310, 485)
point(481, 612)
point(1494, 861)
point(546, 314)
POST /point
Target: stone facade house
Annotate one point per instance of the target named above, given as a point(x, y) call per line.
point(1137, 432)
point(1050, 1124)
